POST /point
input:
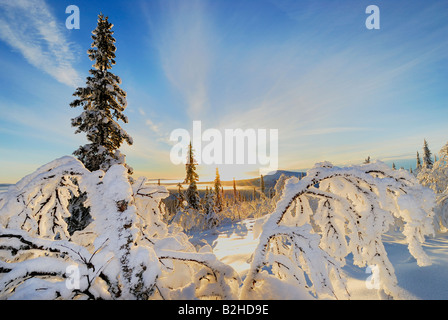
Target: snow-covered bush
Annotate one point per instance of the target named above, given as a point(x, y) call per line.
point(436, 178)
point(329, 214)
point(38, 203)
point(255, 208)
point(126, 252)
point(192, 220)
point(188, 219)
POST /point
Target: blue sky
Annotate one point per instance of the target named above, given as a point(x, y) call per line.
point(335, 90)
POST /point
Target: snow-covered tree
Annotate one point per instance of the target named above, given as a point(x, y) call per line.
point(180, 199)
point(192, 194)
point(419, 162)
point(427, 156)
point(127, 252)
point(331, 213)
point(103, 102)
point(211, 217)
point(436, 178)
point(190, 215)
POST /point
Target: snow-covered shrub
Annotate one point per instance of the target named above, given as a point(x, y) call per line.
point(329, 214)
point(441, 212)
point(126, 252)
point(192, 220)
point(244, 210)
point(38, 203)
point(436, 178)
point(188, 219)
point(262, 206)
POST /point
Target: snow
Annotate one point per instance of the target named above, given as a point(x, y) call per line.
point(235, 243)
point(362, 232)
point(429, 282)
point(232, 243)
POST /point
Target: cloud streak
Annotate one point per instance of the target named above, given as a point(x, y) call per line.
point(30, 28)
point(183, 37)
point(320, 93)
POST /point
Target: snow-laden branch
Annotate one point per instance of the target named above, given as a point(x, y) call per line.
point(224, 276)
point(331, 213)
point(38, 202)
point(126, 252)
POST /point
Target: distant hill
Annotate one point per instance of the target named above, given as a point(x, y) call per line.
point(4, 187)
point(269, 180)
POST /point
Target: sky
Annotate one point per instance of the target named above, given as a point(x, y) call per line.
point(335, 90)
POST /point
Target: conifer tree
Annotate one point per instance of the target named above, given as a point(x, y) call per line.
point(180, 196)
point(419, 162)
point(103, 102)
point(210, 218)
point(262, 187)
point(235, 192)
point(218, 196)
point(427, 159)
point(192, 194)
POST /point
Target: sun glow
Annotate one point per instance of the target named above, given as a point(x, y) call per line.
point(227, 172)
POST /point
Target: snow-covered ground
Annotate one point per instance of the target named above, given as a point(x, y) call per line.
point(234, 243)
point(317, 228)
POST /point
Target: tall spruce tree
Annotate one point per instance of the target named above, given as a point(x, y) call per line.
point(103, 102)
point(192, 194)
point(218, 196)
point(427, 156)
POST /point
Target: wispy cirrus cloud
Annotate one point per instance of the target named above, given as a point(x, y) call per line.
point(29, 27)
point(183, 37)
